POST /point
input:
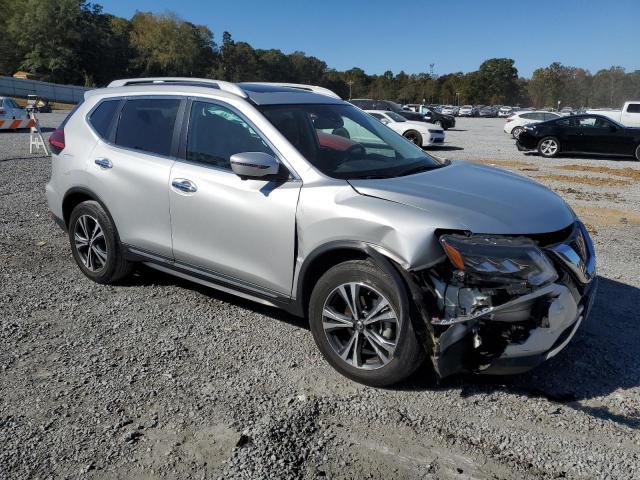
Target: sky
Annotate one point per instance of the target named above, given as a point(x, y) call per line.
point(409, 35)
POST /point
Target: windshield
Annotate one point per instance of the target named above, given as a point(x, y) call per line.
point(344, 142)
point(396, 117)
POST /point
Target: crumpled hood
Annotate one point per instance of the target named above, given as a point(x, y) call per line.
point(472, 197)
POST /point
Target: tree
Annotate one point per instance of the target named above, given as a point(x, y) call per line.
point(166, 45)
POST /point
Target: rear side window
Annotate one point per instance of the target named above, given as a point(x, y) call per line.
point(147, 125)
point(633, 108)
point(100, 119)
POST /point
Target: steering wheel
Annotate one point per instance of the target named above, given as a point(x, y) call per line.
point(355, 152)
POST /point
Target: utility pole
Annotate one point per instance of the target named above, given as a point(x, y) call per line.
point(350, 82)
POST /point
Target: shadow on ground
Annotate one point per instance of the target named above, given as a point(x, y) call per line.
point(603, 357)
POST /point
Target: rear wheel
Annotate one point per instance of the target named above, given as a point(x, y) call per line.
point(358, 320)
point(95, 244)
point(638, 153)
point(515, 133)
point(549, 147)
point(414, 137)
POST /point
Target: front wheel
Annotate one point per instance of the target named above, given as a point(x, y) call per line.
point(638, 153)
point(549, 147)
point(414, 137)
point(358, 320)
point(438, 123)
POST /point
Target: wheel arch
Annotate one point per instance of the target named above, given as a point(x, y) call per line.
point(75, 196)
point(331, 254)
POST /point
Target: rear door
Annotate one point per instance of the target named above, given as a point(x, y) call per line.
point(240, 230)
point(130, 166)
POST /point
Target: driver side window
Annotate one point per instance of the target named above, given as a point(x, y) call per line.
point(215, 133)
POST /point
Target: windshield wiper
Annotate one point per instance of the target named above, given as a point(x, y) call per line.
point(418, 169)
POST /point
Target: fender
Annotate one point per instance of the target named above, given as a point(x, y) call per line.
point(384, 259)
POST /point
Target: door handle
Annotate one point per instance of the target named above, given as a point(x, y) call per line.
point(103, 162)
point(184, 185)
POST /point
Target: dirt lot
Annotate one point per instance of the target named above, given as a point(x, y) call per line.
point(159, 378)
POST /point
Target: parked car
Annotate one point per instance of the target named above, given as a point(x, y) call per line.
point(12, 116)
point(488, 112)
point(422, 114)
point(421, 133)
point(592, 134)
point(296, 199)
point(438, 119)
point(505, 111)
point(516, 122)
point(448, 110)
point(37, 104)
point(629, 115)
point(468, 111)
point(567, 111)
point(387, 105)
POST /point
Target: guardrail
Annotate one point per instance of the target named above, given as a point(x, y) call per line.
point(18, 87)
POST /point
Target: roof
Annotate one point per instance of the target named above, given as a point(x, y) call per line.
point(259, 93)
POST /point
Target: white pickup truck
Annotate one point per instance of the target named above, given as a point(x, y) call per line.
point(628, 116)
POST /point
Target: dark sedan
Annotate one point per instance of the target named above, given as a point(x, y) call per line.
point(591, 134)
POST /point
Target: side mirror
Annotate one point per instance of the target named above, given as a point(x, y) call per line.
point(254, 164)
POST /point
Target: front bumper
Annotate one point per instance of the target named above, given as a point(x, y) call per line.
point(497, 334)
point(545, 343)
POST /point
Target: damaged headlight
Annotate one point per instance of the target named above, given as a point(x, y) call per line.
point(499, 260)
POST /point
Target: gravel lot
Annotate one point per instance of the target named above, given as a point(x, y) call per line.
point(158, 377)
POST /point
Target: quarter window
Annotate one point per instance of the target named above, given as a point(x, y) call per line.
point(147, 125)
point(100, 119)
point(216, 133)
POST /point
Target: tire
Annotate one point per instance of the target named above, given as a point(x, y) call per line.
point(95, 244)
point(393, 353)
point(438, 123)
point(638, 153)
point(413, 137)
point(549, 147)
point(515, 133)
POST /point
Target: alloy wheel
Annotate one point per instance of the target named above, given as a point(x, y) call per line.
point(90, 243)
point(549, 147)
point(361, 325)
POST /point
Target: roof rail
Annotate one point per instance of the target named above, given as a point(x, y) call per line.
point(300, 86)
point(200, 82)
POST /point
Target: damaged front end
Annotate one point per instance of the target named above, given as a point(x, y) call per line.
point(504, 304)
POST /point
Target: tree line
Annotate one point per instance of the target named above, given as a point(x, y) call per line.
point(76, 42)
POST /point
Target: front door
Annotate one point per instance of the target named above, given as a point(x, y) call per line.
point(242, 230)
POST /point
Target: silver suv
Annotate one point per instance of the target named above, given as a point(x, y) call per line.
point(286, 195)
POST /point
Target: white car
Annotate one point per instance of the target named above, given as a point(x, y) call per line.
point(516, 122)
point(629, 115)
point(468, 111)
point(505, 111)
point(421, 133)
point(11, 115)
point(448, 110)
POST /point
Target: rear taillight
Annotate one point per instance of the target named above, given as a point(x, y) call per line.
point(2, 112)
point(56, 140)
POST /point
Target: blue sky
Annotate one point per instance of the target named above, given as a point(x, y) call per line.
point(455, 35)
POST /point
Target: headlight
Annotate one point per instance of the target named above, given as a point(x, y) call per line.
point(500, 260)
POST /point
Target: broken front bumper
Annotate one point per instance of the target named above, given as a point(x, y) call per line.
point(518, 334)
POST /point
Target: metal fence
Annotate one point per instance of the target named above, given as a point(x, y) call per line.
point(18, 87)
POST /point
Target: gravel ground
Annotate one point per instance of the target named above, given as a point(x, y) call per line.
point(160, 378)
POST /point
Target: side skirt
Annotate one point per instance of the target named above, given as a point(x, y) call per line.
point(212, 279)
